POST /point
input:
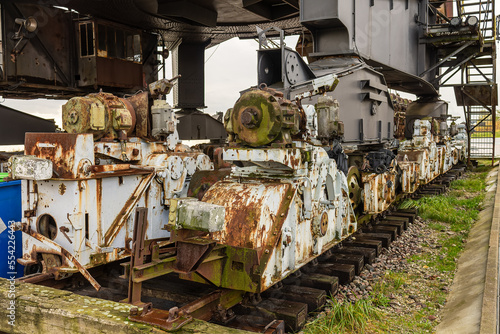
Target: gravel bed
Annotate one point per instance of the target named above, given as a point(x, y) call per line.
point(418, 238)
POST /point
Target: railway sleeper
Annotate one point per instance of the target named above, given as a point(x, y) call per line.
point(329, 284)
point(385, 238)
point(257, 324)
point(345, 272)
point(368, 253)
point(397, 214)
point(294, 314)
point(401, 225)
point(405, 220)
point(314, 298)
point(353, 259)
point(413, 211)
point(438, 187)
point(392, 230)
point(375, 244)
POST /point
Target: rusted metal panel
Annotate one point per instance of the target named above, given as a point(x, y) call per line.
point(118, 73)
point(71, 154)
point(140, 103)
point(379, 191)
point(251, 210)
point(45, 56)
point(409, 177)
point(191, 253)
point(201, 181)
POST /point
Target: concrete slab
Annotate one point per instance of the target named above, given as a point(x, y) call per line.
point(471, 306)
point(34, 309)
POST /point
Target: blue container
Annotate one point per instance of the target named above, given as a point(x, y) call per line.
point(10, 211)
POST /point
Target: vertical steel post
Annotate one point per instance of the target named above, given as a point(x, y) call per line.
point(137, 256)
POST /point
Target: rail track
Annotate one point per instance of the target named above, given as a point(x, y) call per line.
point(282, 308)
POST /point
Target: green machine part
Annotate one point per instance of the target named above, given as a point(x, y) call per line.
point(261, 117)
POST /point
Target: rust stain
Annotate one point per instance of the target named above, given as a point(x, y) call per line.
point(201, 181)
point(59, 148)
point(248, 216)
point(62, 189)
point(109, 168)
point(140, 103)
point(99, 210)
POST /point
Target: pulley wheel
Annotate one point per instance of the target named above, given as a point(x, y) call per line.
point(354, 185)
point(323, 227)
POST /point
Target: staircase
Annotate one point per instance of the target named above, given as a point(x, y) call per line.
point(467, 62)
point(478, 81)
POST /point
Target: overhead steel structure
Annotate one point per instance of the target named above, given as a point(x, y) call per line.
point(65, 53)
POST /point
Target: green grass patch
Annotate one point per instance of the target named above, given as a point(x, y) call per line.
point(451, 208)
point(475, 183)
point(453, 214)
point(345, 317)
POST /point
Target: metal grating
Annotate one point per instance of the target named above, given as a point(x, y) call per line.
point(482, 133)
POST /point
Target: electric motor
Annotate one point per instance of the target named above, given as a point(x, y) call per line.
point(261, 117)
point(102, 114)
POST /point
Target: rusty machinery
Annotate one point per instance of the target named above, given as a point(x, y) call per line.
point(292, 194)
point(285, 202)
point(313, 152)
point(81, 187)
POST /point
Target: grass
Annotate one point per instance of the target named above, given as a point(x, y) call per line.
point(453, 214)
point(485, 134)
point(345, 317)
point(451, 217)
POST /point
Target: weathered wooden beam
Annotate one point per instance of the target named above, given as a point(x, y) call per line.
point(45, 310)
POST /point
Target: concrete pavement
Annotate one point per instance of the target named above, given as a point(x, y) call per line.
point(472, 305)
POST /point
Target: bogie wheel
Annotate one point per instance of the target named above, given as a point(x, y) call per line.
point(355, 187)
point(33, 269)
